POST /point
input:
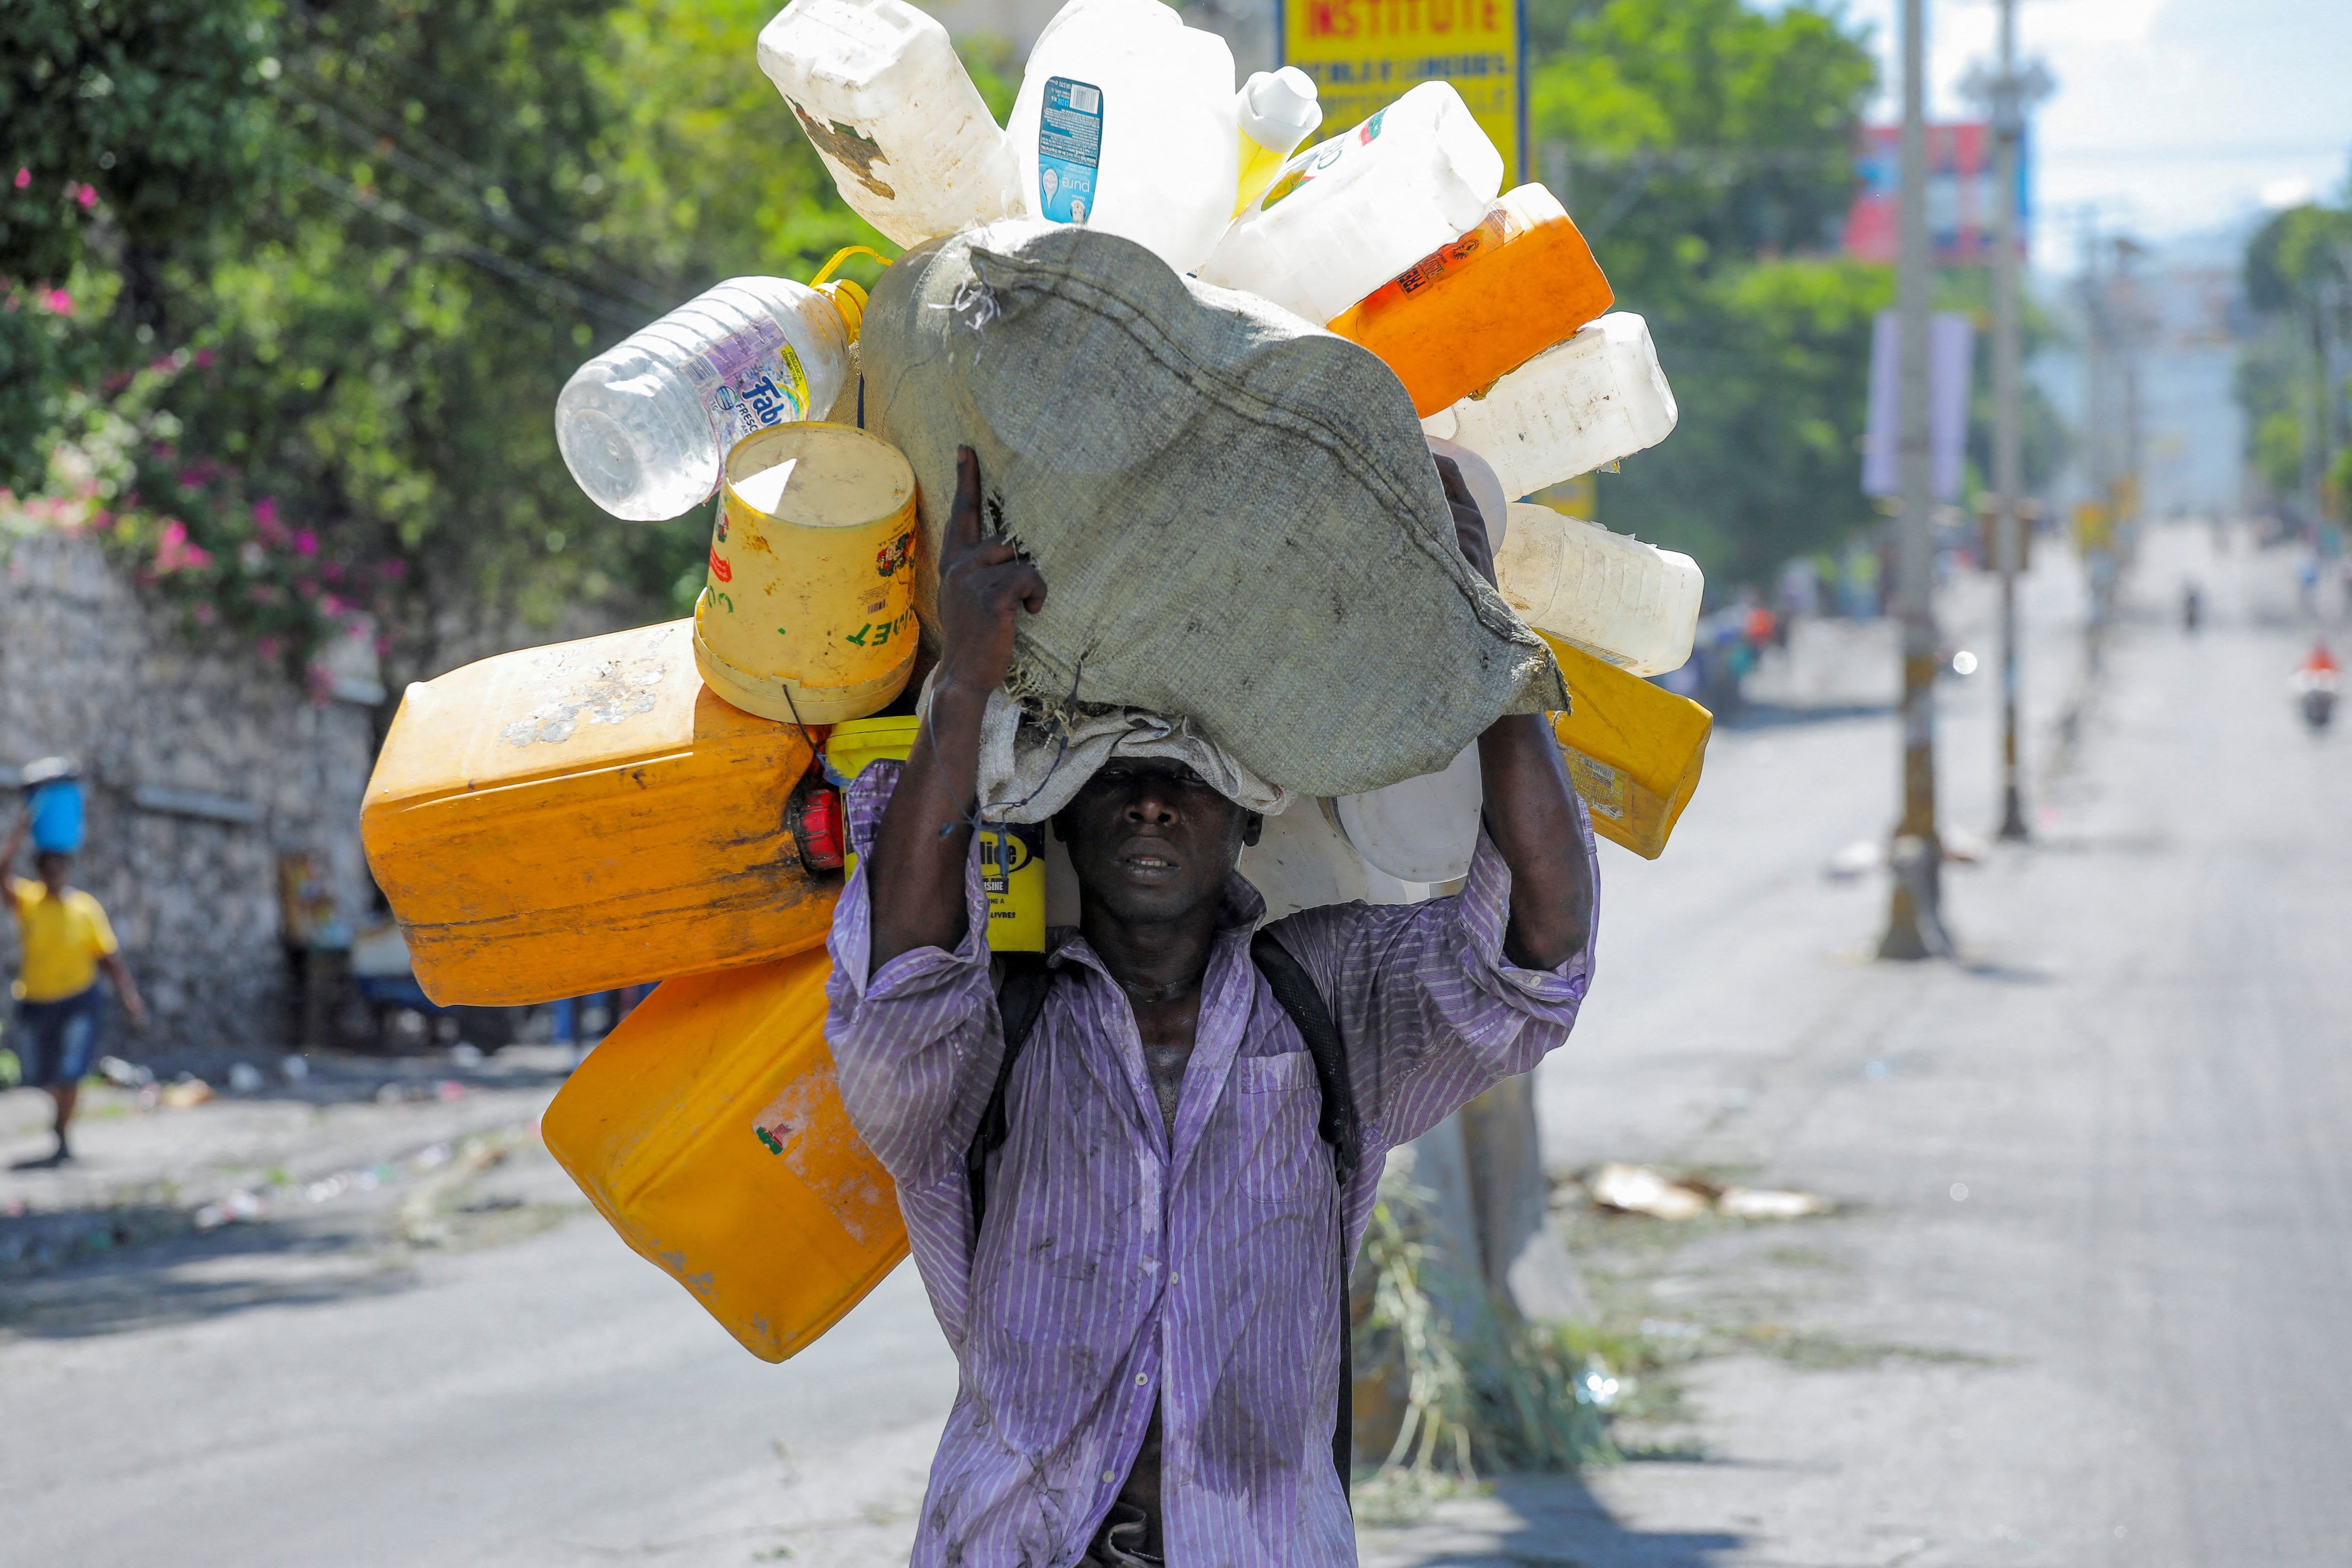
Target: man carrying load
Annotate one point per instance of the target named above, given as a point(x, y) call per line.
point(1136, 1234)
point(66, 941)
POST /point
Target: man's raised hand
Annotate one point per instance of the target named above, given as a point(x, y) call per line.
point(917, 869)
point(982, 580)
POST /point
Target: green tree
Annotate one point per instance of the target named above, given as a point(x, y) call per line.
point(2292, 379)
point(132, 126)
point(1703, 145)
point(323, 382)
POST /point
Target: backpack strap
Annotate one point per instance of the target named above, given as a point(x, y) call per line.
point(1296, 989)
point(1021, 989)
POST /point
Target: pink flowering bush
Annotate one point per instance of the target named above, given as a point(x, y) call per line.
point(192, 533)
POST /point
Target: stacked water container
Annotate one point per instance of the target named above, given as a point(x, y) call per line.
point(603, 813)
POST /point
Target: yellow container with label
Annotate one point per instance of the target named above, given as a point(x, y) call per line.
point(807, 612)
point(571, 819)
point(708, 1129)
point(1633, 749)
point(1012, 855)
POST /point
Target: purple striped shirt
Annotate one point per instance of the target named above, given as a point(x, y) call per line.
point(1121, 1268)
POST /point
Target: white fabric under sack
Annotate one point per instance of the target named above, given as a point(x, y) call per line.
point(1031, 768)
point(1235, 512)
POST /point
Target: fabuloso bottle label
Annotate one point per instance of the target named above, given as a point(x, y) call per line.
point(1446, 261)
point(1069, 150)
point(747, 380)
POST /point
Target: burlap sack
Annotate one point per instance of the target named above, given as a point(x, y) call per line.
point(1235, 513)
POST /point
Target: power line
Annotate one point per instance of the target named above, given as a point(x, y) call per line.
point(385, 145)
point(457, 245)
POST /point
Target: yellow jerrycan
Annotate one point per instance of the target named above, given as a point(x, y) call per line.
point(1012, 855)
point(572, 819)
point(708, 1129)
point(1633, 749)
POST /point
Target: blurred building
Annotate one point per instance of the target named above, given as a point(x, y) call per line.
point(2148, 373)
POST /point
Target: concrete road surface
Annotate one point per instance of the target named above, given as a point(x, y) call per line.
point(2082, 1302)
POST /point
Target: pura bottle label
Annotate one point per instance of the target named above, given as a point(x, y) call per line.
point(1069, 150)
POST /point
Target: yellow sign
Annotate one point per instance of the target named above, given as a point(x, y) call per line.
point(1365, 54)
point(2095, 526)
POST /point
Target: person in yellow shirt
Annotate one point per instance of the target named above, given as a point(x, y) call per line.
point(66, 941)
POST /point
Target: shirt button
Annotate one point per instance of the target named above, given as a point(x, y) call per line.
point(1140, 1379)
point(1107, 1478)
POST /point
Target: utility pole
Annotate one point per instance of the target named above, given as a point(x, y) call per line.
point(2099, 453)
point(2009, 92)
point(2098, 470)
point(1915, 927)
point(2131, 321)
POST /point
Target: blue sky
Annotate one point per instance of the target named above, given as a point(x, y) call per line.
point(2173, 116)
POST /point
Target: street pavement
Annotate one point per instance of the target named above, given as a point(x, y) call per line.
point(2080, 1301)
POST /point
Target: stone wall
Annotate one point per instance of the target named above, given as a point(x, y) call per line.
point(203, 766)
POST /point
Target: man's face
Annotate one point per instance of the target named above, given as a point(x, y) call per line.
point(1150, 842)
point(53, 866)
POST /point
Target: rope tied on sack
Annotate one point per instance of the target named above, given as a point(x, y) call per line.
point(973, 304)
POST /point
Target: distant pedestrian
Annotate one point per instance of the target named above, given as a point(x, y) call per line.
point(66, 941)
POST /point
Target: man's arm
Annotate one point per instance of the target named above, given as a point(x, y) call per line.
point(1530, 813)
point(8, 853)
point(915, 871)
point(132, 1004)
point(1438, 1001)
point(910, 1014)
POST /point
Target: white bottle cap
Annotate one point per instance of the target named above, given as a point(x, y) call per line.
point(1278, 108)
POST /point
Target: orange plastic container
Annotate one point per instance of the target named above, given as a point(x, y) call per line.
point(1483, 305)
point(566, 820)
point(708, 1128)
point(1633, 749)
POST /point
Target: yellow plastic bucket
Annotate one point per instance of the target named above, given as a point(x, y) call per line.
point(807, 612)
point(1012, 855)
point(858, 741)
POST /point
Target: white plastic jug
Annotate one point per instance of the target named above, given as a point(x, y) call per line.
point(879, 90)
point(1126, 123)
point(1577, 406)
point(1302, 861)
point(1277, 110)
point(1347, 215)
point(1616, 598)
point(1423, 829)
point(644, 426)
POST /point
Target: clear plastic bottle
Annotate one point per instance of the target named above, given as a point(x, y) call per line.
point(644, 426)
point(879, 88)
point(1572, 409)
point(1126, 123)
point(1277, 110)
point(1348, 214)
point(1634, 604)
